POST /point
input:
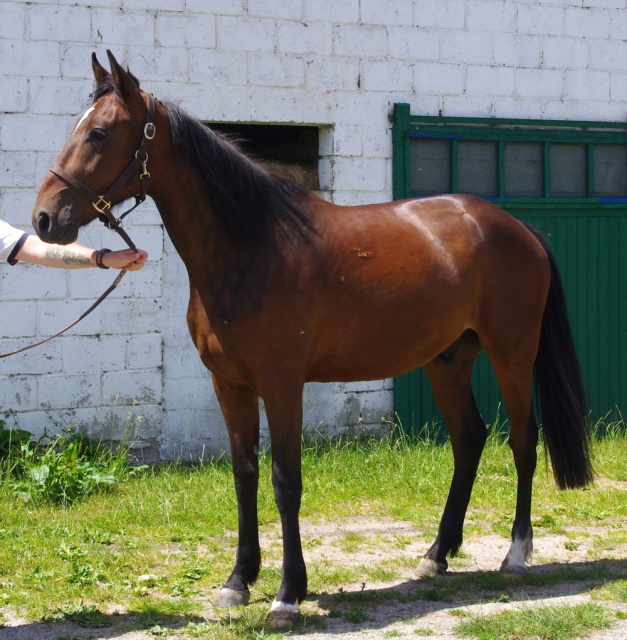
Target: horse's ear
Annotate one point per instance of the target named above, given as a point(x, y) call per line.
point(124, 84)
point(100, 73)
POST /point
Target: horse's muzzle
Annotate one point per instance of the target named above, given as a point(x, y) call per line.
point(50, 229)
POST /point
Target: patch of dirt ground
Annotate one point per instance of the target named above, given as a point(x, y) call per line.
point(407, 608)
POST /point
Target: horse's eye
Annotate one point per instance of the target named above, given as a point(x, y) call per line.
point(97, 134)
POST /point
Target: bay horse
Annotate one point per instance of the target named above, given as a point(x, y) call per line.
point(287, 288)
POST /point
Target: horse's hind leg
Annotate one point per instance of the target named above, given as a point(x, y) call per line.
point(240, 407)
point(515, 377)
point(450, 381)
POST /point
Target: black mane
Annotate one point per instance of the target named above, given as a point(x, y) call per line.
point(248, 199)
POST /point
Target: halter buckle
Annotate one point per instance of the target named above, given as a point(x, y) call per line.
point(102, 205)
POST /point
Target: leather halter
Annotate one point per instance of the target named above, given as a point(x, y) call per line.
point(103, 203)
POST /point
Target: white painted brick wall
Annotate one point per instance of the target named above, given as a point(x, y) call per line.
point(345, 12)
point(185, 30)
point(288, 9)
point(413, 44)
point(587, 23)
point(338, 65)
point(540, 18)
point(362, 41)
point(492, 16)
point(565, 53)
point(446, 14)
point(276, 70)
point(516, 51)
point(246, 34)
point(13, 23)
point(60, 23)
point(387, 14)
point(305, 38)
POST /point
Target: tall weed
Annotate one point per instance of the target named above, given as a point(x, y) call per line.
point(61, 469)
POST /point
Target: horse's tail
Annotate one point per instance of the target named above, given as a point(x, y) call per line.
point(560, 389)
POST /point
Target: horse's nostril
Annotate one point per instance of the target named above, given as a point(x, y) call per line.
point(43, 223)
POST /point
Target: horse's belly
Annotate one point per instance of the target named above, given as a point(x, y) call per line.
point(377, 348)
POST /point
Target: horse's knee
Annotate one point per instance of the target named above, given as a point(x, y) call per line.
point(245, 475)
point(287, 496)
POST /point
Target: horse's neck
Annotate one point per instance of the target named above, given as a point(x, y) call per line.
point(213, 261)
point(185, 209)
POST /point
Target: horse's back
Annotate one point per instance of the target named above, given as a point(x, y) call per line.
point(430, 247)
point(447, 227)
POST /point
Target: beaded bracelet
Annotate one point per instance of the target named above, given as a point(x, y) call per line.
point(99, 255)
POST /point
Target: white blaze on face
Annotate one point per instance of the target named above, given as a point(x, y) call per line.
point(83, 118)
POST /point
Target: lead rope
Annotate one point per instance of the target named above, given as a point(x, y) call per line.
point(116, 282)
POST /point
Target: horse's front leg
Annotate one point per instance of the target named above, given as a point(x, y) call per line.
point(285, 422)
point(240, 406)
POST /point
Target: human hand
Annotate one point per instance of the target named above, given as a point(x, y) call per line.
point(129, 259)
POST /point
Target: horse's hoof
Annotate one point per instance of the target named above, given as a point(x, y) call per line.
point(232, 598)
point(513, 570)
point(282, 615)
point(429, 568)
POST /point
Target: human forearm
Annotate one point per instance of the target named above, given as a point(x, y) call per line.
point(76, 256)
point(73, 256)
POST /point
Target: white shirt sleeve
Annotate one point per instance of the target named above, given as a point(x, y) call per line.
point(11, 240)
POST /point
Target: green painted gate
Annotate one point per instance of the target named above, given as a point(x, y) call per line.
point(569, 179)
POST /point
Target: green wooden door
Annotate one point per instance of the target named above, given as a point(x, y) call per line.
point(567, 179)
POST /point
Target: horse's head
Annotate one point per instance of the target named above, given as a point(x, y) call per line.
point(102, 161)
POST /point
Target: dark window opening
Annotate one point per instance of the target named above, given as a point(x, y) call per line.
point(569, 170)
point(610, 180)
point(508, 160)
point(291, 151)
point(524, 170)
point(430, 162)
point(478, 167)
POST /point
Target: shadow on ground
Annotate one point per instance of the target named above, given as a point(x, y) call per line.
point(348, 611)
point(377, 608)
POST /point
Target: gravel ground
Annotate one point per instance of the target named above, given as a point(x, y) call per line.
point(400, 618)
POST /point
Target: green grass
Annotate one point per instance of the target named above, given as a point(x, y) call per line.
point(537, 623)
point(158, 542)
point(615, 590)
